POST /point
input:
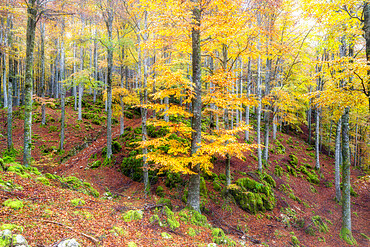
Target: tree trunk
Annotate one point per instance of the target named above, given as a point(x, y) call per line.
point(247, 109)
point(144, 110)
point(196, 120)
point(346, 231)
point(63, 90)
point(337, 161)
point(109, 25)
point(42, 28)
point(28, 81)
point(12, 78)
point(258, 115)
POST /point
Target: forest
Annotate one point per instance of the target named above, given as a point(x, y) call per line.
point(184, 123)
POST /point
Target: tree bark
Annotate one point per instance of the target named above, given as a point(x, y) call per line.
point(28, 81)
point(337, 161)
point(194, 183)
point(63, 90)
point(12, 78)
point(144, 110)
point(109, 24)
point(346, 231)
point(42, 28)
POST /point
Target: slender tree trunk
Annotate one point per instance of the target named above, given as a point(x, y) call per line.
point(5, 42)
point(109, 24)
point(267, 113)
point(74, 88)
point(81, 86)
point(144, 110)
point(122, 117)
point(42, 28)
point(63, 90)
point(12, 78)
point(30, 44)
point(346, 231)
point(196, 120)
point(338, 153)
point(258, 115)
point(247, 109)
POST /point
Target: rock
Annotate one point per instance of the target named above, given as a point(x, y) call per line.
point(5, 233)
point(212, 245)
point(69, 243)
point(20, 241)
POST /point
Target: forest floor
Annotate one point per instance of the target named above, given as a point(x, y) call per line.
point(48, 215)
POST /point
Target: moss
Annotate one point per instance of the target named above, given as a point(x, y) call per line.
point(165, 235)
point(166, 202)
point(280, 149)
point(173, 223)
point(278, 171)
point(347, 236)
point(184, 197)
point(216, 185)
point(43, 180)
point(253, 196)
point(160, 191)
point(365, 236)
point(203, 187)
point(11, 227)
point(198, 219)
point(131, 244)
point(16, 168)
point(219, 237)
point(293, 160)
point(119, 231)
point(291, 170)
point(133, 215)
point(77, 201)
point(155, 218)
point(266, 177)
point(86, 215)
point(295, 241)
point(184, 215)
point(192, 232)
point(95, 164)
point(173, 180)
point(13, 204)
point(50, 176)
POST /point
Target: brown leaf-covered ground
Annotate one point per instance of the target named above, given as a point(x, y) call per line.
point(46, 204)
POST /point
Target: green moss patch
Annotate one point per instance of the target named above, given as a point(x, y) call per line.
point(13, 204)
point(253, 196)
point(133, 215)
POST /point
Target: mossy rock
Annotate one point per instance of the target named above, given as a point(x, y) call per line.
point(278, 171)
point(133, 215)
point(160, 191)
point(219, 237)
point(95, 164)
point(266, 177)
point(155, 218)
point(173, 180)
point(192, 232)
point(280, 149)
point(43, 180)
point(217, 185)
point(11, 227)
point(295, 241)
point(293, 160)
point(198, 219)
point(166, 202)
point(77, 202)
point(318, 225)
point(13, 204)
point(50, 176)
point(203, 187)
point(291, 170)
point(165, 235)
point(119, 231)
point(252, 196)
